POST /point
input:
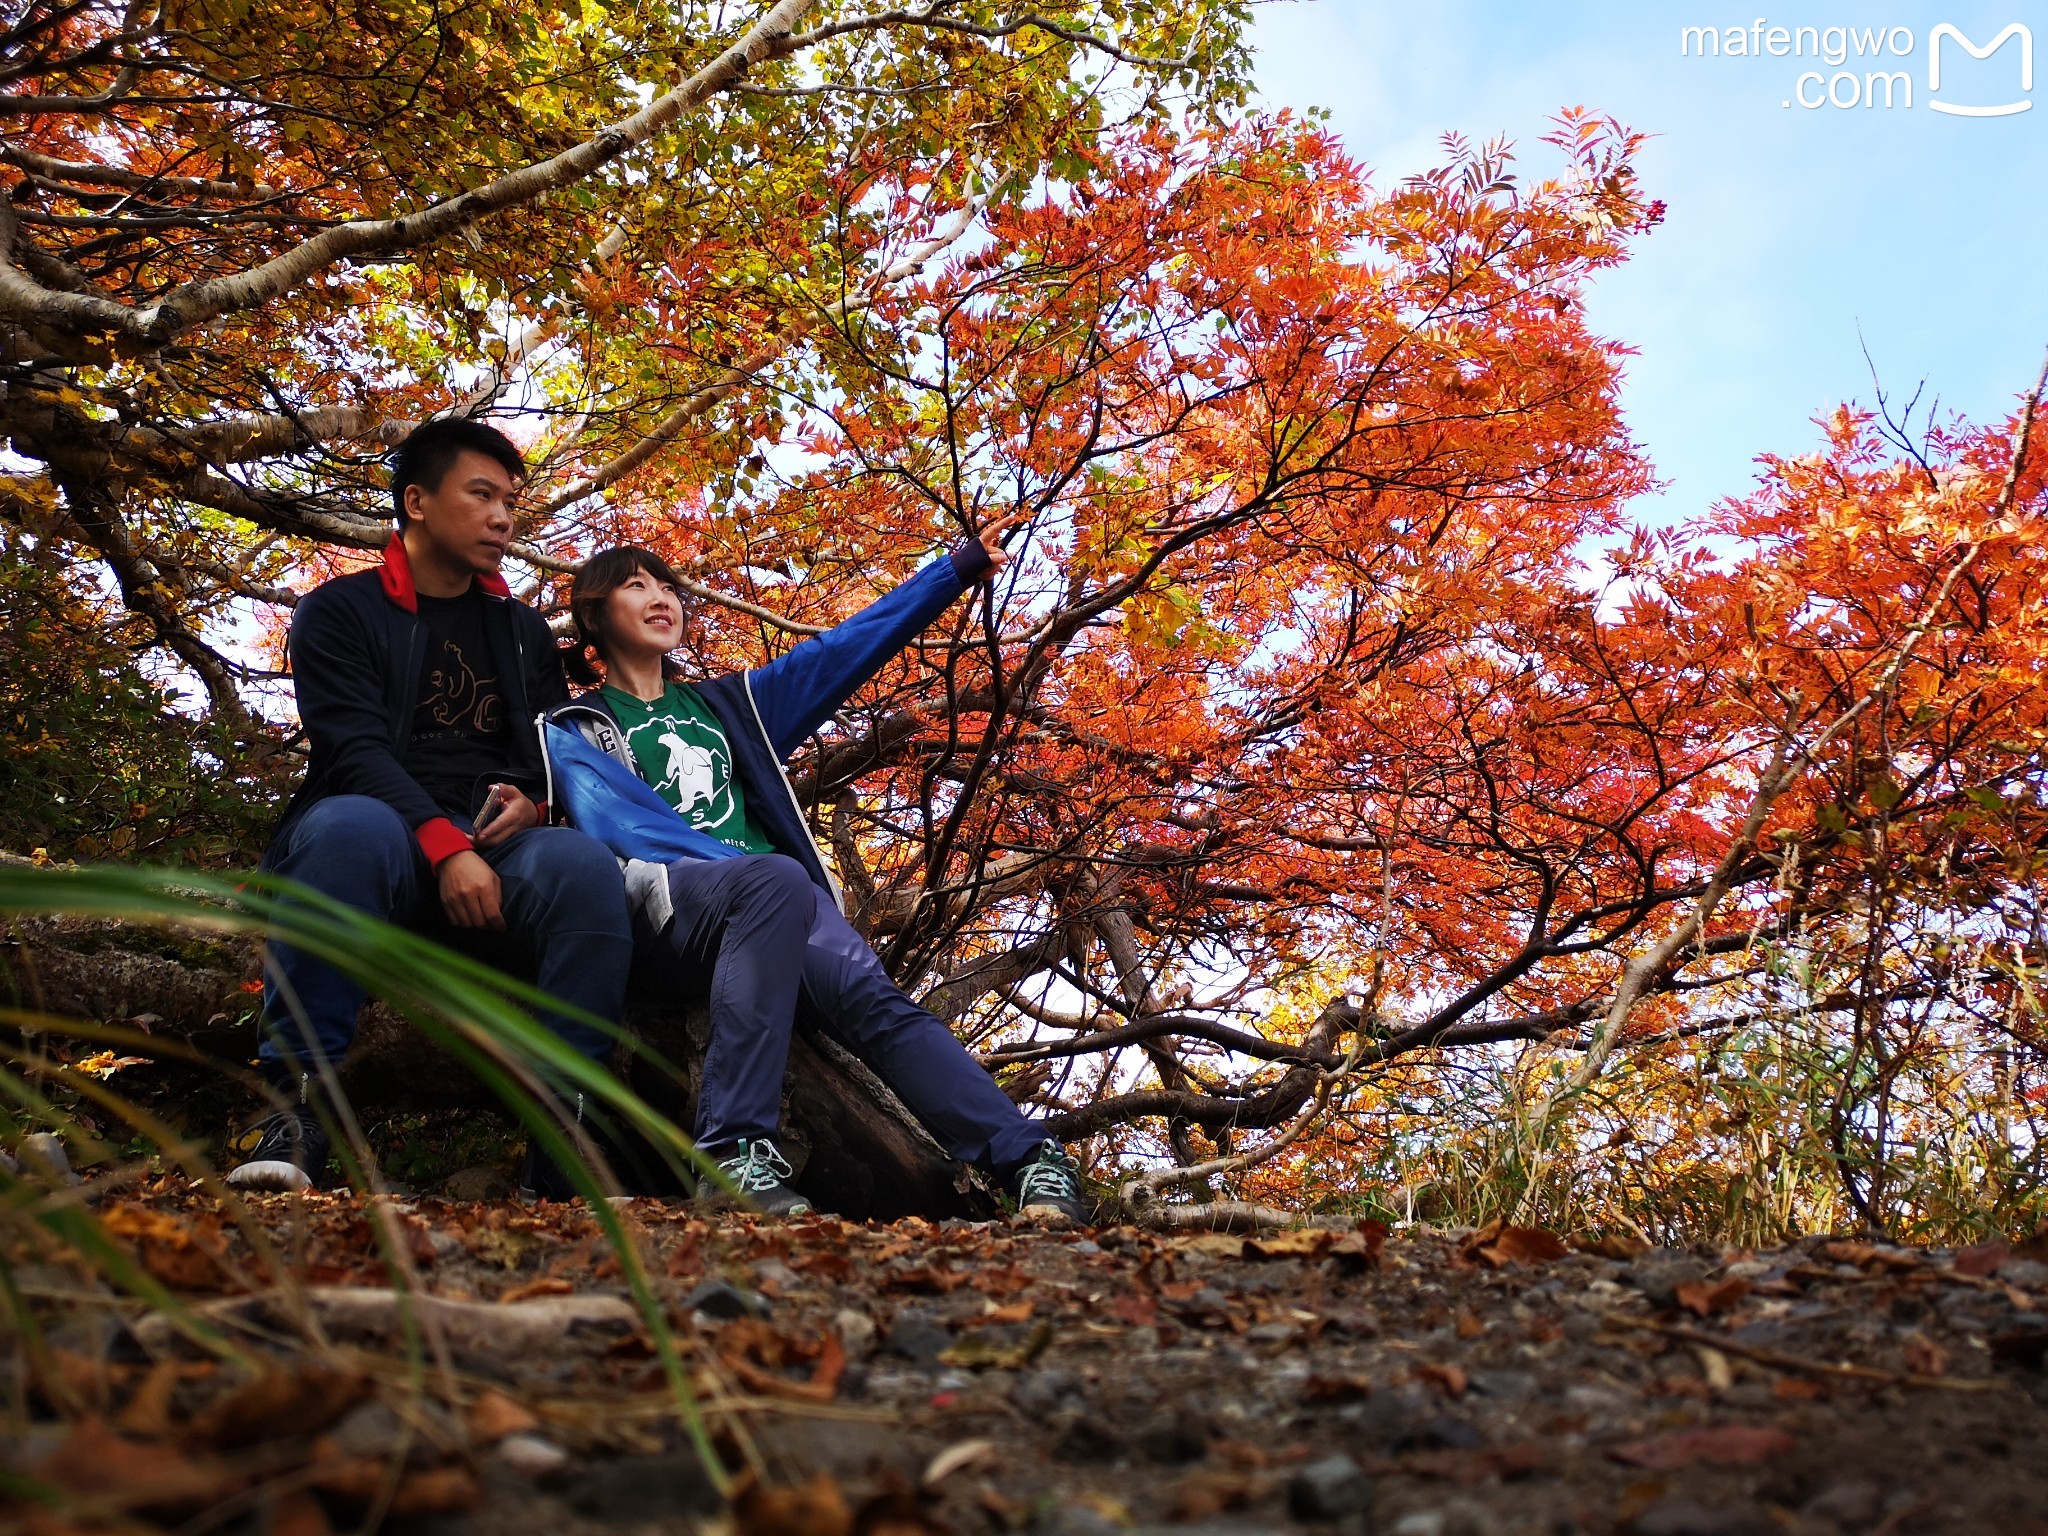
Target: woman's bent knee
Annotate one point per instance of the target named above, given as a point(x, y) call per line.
point(777, 874)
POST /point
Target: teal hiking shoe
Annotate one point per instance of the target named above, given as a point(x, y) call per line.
point(1048, 1189)
point(760, 1176)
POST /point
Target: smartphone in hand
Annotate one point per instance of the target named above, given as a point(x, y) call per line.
point(496, 801)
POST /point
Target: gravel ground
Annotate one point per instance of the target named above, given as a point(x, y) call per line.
point(984, 1378)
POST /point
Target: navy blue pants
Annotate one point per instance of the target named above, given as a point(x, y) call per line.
point(770, 938)
point(561, 893)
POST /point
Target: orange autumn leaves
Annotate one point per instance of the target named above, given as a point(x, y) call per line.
point(1330, 647)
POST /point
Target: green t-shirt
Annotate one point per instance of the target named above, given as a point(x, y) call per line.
point(682, 751)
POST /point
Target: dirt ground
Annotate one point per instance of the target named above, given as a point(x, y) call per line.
point(981, 1378)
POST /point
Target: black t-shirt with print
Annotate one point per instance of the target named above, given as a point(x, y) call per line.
point(459, 743)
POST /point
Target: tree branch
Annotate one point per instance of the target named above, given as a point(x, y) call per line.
point(24, 300)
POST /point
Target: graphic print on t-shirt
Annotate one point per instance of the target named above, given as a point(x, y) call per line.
point(454, 698)
point(695, 777)
point(681, 749)
point(459, 736)
point(696, 767)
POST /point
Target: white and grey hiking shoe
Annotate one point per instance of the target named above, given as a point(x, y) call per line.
point(1048, 1189)
point(760, 1177)
point(284, 1151)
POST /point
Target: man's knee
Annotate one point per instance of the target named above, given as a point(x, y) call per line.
point(350, 846)
point(572, 871)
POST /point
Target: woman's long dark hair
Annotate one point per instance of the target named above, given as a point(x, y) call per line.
point(602, 575)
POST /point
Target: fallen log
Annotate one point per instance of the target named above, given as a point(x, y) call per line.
point(858, 1151)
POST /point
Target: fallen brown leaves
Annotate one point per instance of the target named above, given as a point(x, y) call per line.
point(1718, 1445)
point(184, 1253)
point(366, 1482)
point(107, 1474)
point(760, 1356)
point(300, 1398)
point(1497, 1245)
point(1404, 1358)
point(819, 1507)
point(1504, 1462)
point(493, 1416)
point(1704, 1300)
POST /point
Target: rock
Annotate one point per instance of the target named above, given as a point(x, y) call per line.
point(1592, 1397)
point(642, 1489)
point(1388, 1416)
point(774, 1275)
point(1089, 1437)
point(41, 1157)
point(1659, 1273)
point(1206, 1308)
point(1442, 1432)
point(1505, 1386)
point(1854, 1504)
point(918, 1337)
point(1353, 1322)
point(426, 1435)
point(2028, 1272)
point(1076, 1520)
point(722, 1301)
point(479, 1181)
point(1683, 1517)
point(857, 1332)
point(1172, 1436)
point(531, 1455)
point(1040, 1394)
point(1335, 1488)
point(1460, 1517)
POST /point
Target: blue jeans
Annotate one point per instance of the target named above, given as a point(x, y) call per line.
point(563, 899)
point(771, 939)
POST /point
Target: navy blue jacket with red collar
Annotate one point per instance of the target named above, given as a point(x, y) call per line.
point(769, 711)
point(357, 646)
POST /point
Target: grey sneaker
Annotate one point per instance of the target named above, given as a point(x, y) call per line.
point(284, 1151)
point(760, 1176)
point(1048, 1189)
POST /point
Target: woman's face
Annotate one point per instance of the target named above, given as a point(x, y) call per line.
point(643, 617)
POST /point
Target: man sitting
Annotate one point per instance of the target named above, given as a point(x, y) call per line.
point(419, 682)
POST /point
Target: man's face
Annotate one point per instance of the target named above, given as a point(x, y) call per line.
point(466, 519)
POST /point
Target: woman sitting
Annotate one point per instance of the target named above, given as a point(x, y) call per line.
point(753, 892)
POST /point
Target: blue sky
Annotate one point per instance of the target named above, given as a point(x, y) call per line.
point(1789, 229)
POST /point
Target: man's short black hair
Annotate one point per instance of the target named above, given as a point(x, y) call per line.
point(426, 456)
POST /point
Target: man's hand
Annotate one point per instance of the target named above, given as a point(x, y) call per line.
point(469, 891)
point(992, 538)
point(513, 814)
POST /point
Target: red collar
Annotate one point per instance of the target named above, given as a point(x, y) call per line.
point(396, 574)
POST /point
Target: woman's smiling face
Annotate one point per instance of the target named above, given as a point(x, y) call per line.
point(643, 616)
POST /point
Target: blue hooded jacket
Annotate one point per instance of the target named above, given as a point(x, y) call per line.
point(766, 712)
